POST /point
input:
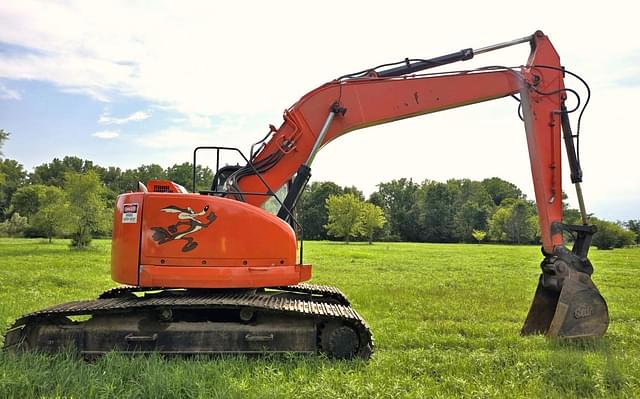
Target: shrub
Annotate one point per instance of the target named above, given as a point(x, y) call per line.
point(479, 235)
point(611, 235)
point(14, 226)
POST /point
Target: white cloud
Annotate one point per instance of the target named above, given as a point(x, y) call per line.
point(75, 72)
point(112, 120)
point(106, 134)
point(236, 132)
point(212, 58)
point(8, 94)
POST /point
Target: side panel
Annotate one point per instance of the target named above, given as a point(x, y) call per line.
point(199, 241)
point(125, 245)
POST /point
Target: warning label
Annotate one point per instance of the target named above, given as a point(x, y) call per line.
point(130, 213)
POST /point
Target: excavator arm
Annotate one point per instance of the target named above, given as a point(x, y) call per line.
point(342, 106)
point(566, 303)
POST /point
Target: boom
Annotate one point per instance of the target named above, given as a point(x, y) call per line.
point(362, 102)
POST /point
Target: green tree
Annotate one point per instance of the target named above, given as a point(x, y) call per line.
point(514, 221)
point(311, 209)
point(473, 207)
point(87, 212)
point(145, 173)
point(183, 175)
point(383, 233)
point(129, 181)
point(498, 222)
point(471, 190)
point(344, 216)
point(14, 177)
point(571, 216)
point(51, 216)
point(112, 178)
point(397, 198)
point(377, 199)
point(123, 181)
point(634, 226)
point(14, 226)
point(53, 173)
point(611, 235)
point(3, 137)
point(499, 190)
point(521, 226)
point(435, 211)
point(353, 190)
point(479, 235)
point(371, 219)
point(28, 199)
point(471, 217)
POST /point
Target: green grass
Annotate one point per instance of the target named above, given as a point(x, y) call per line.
point(446, 321)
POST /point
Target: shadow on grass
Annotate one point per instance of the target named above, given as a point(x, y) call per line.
point(591, 344)
point(115, 375)
point(313, 362)
point(574, 372)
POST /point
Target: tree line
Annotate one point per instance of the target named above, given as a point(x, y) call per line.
point(458, 210)
point(74, 197)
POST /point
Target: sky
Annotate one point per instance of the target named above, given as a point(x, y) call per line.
point(125, 83)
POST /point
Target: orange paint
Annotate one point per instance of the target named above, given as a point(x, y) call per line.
point(181, 245)
point(191, 240)
point(125, 245)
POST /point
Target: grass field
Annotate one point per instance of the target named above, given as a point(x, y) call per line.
point(446, 321)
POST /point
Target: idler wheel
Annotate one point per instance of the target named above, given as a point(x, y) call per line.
point(340, 341)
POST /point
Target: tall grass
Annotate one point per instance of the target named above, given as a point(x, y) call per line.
point(446, 321)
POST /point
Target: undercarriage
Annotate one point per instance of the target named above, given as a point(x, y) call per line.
point(303, 318)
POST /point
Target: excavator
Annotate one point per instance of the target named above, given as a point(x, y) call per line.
point(212, 272)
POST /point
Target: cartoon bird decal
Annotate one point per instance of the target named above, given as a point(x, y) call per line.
point(187, 224)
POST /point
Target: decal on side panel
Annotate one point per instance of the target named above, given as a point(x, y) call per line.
point(187, 224)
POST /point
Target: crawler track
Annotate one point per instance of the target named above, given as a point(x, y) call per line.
point(303, 318)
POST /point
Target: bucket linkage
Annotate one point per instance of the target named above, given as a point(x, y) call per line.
point(567, 304)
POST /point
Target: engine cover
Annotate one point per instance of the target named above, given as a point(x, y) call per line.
point(176, 240)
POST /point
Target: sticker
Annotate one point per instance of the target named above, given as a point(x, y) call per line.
point(130, 213)
point(187, 223)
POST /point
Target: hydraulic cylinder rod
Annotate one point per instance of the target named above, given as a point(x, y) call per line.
point(574, 164)
point(462, 55)
point(304, 171)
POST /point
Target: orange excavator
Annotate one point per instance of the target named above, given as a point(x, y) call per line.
point(213, 272)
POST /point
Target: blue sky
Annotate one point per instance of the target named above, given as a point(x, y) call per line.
point(47, 121)
point(168, 77)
